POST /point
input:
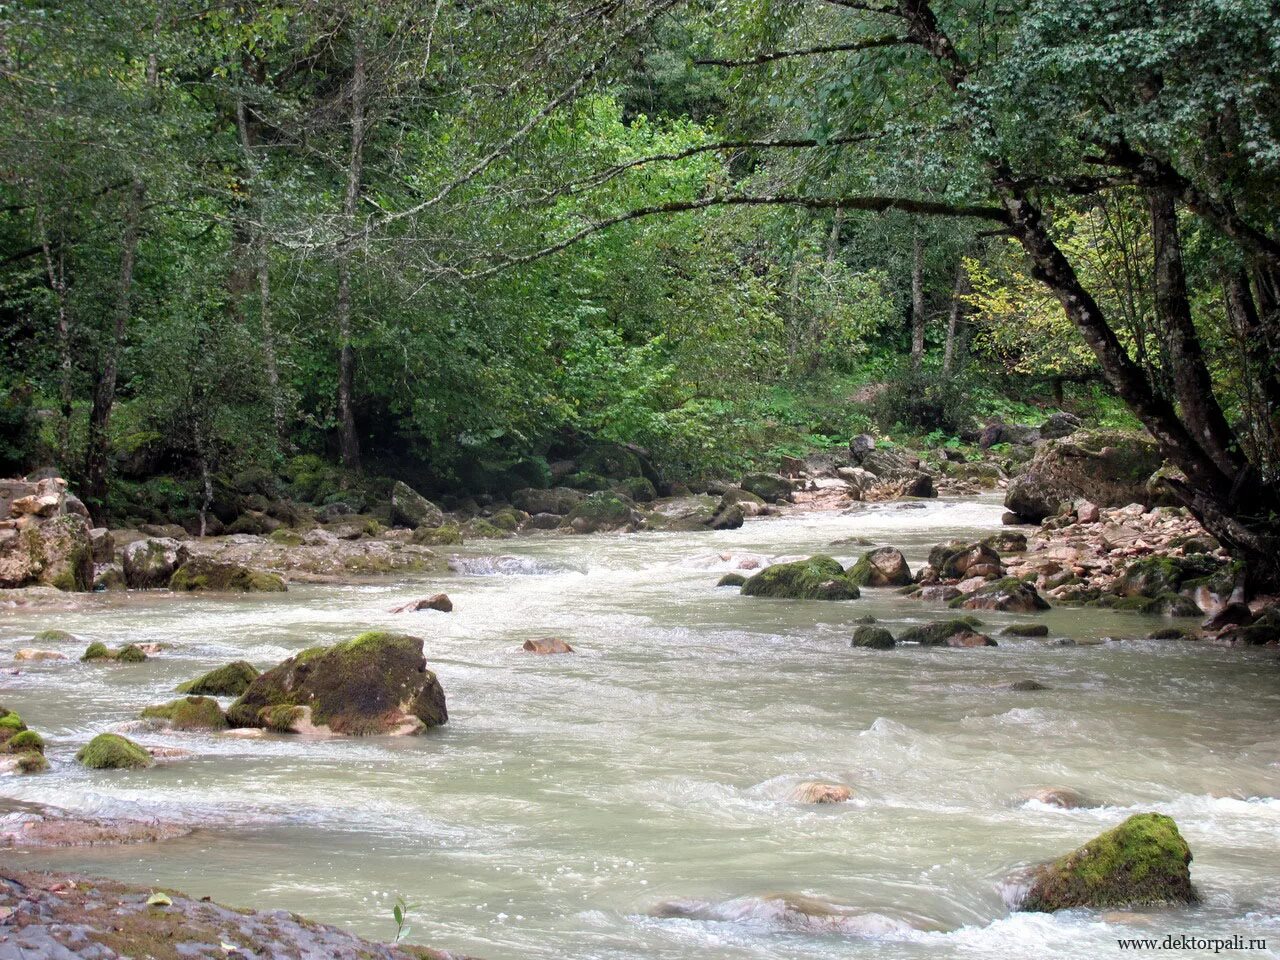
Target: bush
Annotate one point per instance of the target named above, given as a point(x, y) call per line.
point(923, 401)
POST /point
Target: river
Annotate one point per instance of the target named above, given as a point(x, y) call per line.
point(569, 795)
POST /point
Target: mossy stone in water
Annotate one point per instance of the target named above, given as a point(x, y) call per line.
point(130, 653)
point(202, 573)
point(447, 534)
point(24, 741)
point(10, 722)
point(874, 638)
point(818, 578)
point(97, 651)
point(110, 751)
point(54, 636)
point(189, 713)
point(1026, 630)
point(1144, 862)
point(230, 680)
point(32, 761)
point(936, 634)
point(731, 580)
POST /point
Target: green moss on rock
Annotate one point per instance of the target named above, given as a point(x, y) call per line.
point(110, 751)
point(189, 713)
point(23, 741)
point(203, 573)
point(230, 680)
point(130, 653)
point(54, 636)
point(874, 638)
point(731, 580)
point(1026, 630)
point(445, 535)
point(97, 651)
point(32, 761)
point(1144, 862)
point(937, 634)
point(817, 578)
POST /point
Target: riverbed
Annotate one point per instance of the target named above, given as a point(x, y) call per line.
point(568, 796)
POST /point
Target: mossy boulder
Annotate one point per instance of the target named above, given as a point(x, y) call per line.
point(639, 489)
point(411, 509)
point(1107, 467)
point(110, 751)
point(229, 680)
point(873, 638)
point(556, 500)
point(23, 741)
point(885, 567)
point(100, 652)
point(1026, 630)
point(817, 578)
point(1144, 862)
point(150, 563)
point(770, 487)
point(54, 636)
point(445, 535)
point(961, 559)
point(189, 713)
point(937, 633)
point(55, 552)
point(731, 580)
point(204, 573)
point(377, 683)
point(1008, 593)
point(480, 528)
point(1156, 575)
point(603, 511)
point(11, 725)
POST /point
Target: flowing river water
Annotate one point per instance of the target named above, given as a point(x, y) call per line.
point(570, 795)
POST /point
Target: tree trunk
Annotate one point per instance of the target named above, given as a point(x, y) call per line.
point(348, 441)
point(1192, 384)
point(917, 301)
point(104, 393)
point(954, 317)
point(1258, 359)
point(57, 273)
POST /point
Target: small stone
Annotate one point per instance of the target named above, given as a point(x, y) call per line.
point(547, 645)
point(813, 791)
point(438, 601)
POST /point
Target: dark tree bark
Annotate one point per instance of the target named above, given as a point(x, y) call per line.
point(348, 440)
point(97, 464)
point(955, 316)
point(917, 301)
point(56, 270)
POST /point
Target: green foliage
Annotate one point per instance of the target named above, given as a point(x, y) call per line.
point(923, 401)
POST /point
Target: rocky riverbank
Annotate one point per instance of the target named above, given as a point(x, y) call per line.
point(59, 916)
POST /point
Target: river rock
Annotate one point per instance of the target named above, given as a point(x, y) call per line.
point(229, 680)
point(99, 652)
point(936, 634)
point(885, 567)
point(814, 791)
point(150, 563)
point(46, 549)
point(1108, 468)
point(34, 654)
point(556, 500)
point(873, 638)
point(188, 713)
point(962, 560)
point(731, 580)
point(937, 593)
point(1144, 862)
point(1026, 630)
point(603, 510)
point(110, 751)
point(817, 578)
point(437, 601)
point(1059, 425)
point(1064, 798)
point(546, 645)
point(1009, 594)
point(791, 913)
point(204, 573)
point(411, 509)
point(377, 683)
point(769, 487)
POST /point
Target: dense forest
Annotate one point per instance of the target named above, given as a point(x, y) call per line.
point(339, 241)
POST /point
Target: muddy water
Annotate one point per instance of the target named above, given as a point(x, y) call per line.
point(568, 796)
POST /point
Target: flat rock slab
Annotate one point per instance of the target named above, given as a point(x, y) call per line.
point(47, 916)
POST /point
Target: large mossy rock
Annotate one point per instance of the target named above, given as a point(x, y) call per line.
point(556, 500)
point(1156, 575)
point(885, 567)
point(110, 751)
point(938, 633)
point(204, 573)
point(1107, 467)
point(603, 510)
point(1144, 862)
point(151, 563)
point(229, 680)
point(55, 551)
point(188, 713)
point(818, 578)
point(770, 487)
point(1008, 594)
point(377, 683)
point(411, 509)
point(873, 638)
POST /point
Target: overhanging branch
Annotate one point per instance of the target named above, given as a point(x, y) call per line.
point(870, 43)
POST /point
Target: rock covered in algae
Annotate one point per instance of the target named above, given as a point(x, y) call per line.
point(377, 683)
point(817, 578)
point(110, 751)
point(189, 713)
point(229, 680)
point(1144, 862)
point(202, 573)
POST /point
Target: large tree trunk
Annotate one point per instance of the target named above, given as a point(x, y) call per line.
point(1189, 373)
point(1258, 359)
point(954, 317)
point(348, 441)
point(57, 273)
point(97, 465)
point(917, 301)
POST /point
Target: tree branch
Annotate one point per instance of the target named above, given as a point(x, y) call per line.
point(871, 43)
